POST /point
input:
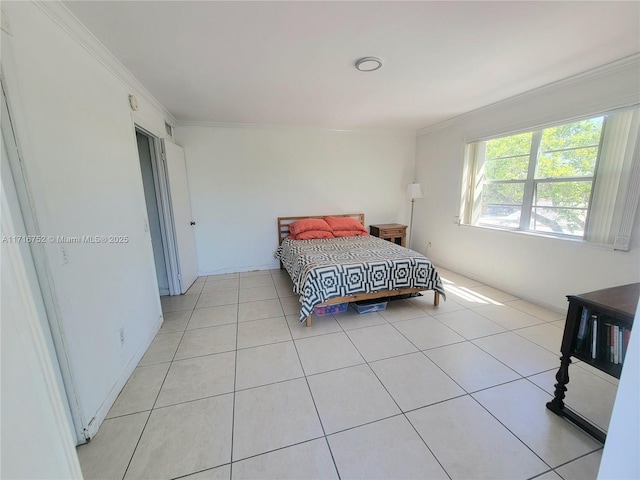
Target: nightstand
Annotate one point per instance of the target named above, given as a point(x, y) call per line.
point(394, 232)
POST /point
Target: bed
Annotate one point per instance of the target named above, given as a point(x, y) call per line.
point(327, 271)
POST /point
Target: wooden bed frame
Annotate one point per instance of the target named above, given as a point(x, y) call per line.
point(283, 232)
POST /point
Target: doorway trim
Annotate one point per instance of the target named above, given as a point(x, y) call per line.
point(76, 421)
point(30, 349)
point(163, 199)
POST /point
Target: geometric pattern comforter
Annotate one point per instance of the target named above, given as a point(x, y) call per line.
point(327, 268)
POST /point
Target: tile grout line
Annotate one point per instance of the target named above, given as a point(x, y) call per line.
point(396, 403)
point(497, 359)
point(235, 381)
point(511, 432)
point(579, 457)
point(551, 397)
point(467, 393)
point(315, 406)
point(158, 395)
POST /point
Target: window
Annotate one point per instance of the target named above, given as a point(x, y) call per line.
point(550, 181)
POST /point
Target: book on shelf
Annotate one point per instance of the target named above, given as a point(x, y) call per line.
point(616, 344)
point(582, 330)
point(602, 339)
point(594, 336)
point(608, 341)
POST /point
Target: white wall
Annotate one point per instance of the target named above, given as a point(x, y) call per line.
point(540, 269)
point(620, 458)
point(242, 179)
point(36, 442)
point(75, 130)
point(32, 398)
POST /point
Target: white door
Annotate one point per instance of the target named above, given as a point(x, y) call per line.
point(181, 211)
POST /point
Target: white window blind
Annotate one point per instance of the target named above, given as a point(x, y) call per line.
point(614, 195)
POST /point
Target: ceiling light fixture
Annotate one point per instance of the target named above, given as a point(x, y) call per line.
point(368, 64)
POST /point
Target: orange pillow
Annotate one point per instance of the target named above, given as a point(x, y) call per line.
point(345, 223)
point(307, 224)
point(349, 233)
point(311, 234)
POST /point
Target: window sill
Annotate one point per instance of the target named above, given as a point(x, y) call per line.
point(575, 241)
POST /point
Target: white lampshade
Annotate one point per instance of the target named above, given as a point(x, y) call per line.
point(414, 191)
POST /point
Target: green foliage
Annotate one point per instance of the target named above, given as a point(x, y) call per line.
point(508, 146)
point(572, 135)
point(503, 193)
point(568, 163)
point(564, 194)
point(507, 168)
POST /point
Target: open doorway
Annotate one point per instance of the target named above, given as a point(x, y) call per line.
point(170, 224)
point(150, 182)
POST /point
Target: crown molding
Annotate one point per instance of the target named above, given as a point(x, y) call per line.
point(207, 124)
point(81, 34)
point(606, 69)
point(59, 13)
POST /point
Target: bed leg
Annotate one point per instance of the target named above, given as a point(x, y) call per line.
point(436, 298)
point(308, 322)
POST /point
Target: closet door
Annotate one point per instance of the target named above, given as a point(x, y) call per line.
point(181, 211)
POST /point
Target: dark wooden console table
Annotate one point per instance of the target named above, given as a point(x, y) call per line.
point(597, 330)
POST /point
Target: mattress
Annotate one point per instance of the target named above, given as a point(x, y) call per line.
point(322, 269)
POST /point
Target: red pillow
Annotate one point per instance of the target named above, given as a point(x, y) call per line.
point(349, 233)
point(311, 234)
point(345, 223)
point(307, 224)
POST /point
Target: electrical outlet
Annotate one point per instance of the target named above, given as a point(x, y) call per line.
point(121, 335)
point(64, 254)
point(4, 22)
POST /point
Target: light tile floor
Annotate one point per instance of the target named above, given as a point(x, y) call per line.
point(233, 386)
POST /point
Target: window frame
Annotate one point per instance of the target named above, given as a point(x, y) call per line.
point(615, 196)
point(475, 153)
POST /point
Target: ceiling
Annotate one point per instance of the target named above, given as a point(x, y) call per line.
point(292, 63)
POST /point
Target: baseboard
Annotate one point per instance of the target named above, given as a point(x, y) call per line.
point(506, 289)
point(102, 412)
point(253, 268)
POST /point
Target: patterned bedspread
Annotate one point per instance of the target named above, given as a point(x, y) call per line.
point(327, 268)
